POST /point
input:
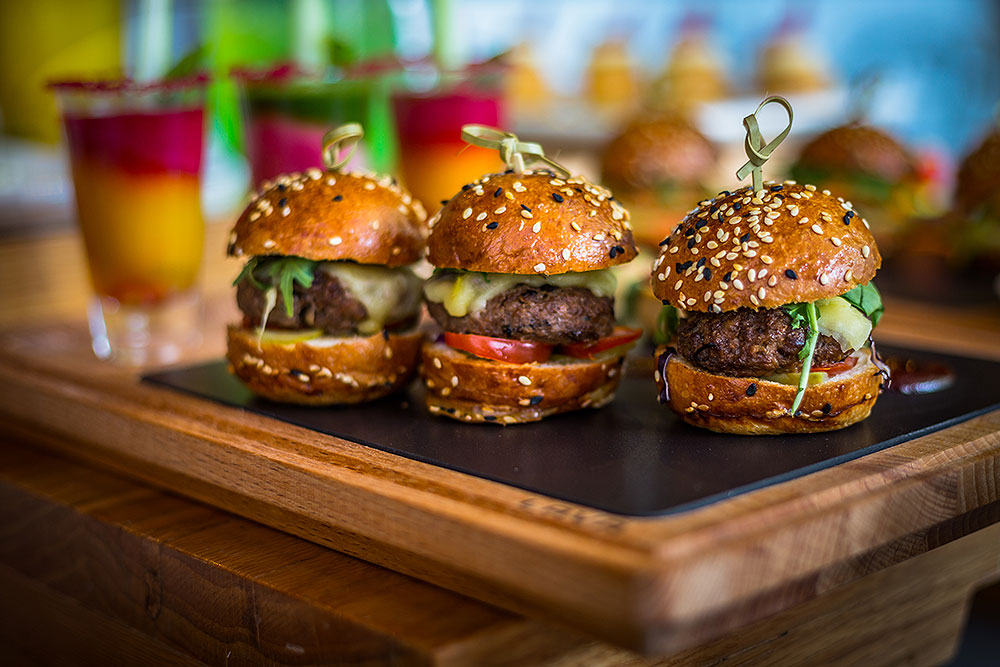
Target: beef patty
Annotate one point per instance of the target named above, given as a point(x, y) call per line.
point(326, 305)
point(747, 342)
point(545, 314)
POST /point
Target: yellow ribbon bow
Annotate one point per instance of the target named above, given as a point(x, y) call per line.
point(337, 140)
point(512, 151)
point(754, 144)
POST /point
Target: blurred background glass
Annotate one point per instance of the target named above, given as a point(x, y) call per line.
point(575, 75)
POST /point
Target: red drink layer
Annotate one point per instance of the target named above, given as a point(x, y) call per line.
point(434, 161)
point(138, 201)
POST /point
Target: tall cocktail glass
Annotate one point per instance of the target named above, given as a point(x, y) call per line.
point(135, 151)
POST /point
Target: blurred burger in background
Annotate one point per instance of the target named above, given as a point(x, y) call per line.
point(870, 168)
point(974, 219)
point(657, 166)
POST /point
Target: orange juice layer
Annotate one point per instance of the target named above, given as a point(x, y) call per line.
point(143, 232)
point(435, 172)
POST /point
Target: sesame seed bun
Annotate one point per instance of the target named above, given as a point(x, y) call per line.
point(471, 389)
point(790, 244)
point(978, 174)
point(858, 148)
point(530, 223)
point(332, 216)
point(752, 406)
point(324, 371)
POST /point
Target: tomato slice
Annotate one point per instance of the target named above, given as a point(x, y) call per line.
point(839, 367)
point(619, 336)
point(499, 349)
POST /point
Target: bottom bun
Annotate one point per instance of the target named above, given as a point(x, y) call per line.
point(471, 389)
point(326, 370)
point(752, 406)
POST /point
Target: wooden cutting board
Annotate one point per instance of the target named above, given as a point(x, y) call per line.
point(653, 584)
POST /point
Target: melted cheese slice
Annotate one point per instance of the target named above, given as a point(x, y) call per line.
point(843, 322)
point(389, 295)
point(463, 292)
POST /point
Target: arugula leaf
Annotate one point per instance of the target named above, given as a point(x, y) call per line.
point(866, 299)
point(666, 324)
point(280, 272)
point(798, 315)
point(807, 352)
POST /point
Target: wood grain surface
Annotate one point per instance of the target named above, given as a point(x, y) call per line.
point(656, 585)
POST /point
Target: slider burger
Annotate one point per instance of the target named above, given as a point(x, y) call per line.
point(329, 306)
point(769, 307)
point(523, 292)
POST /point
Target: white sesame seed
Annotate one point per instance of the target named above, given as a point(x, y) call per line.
point(773, 215)
point(285, 211)
point(467, 213)
point(269, 243)
point(761, 292)
point(254, 215)
point(804, 221)
point(824, 279)
point(525, 214)
point(661, 277)
point(677, 285)
point(866, 251)
point(738, 284)
point(539, 267)
point(810, 188)
point(500, 210)
point(848, 275)
point(331, 181)
point(575, 225)
point(752, 275)
point(481, 217)
point(772, 281)
point(754, 300)
point(454, 380)
point(835, 241)
point(599, 236)
point(335, 240)
point(369, 186)
point(566, 254)
point(524, 379)
point(714, 261)
point(816, 228)
point(437, 362)
point(536, 227)
point(766, 259)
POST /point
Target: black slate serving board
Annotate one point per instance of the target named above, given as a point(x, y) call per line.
point(633, 457)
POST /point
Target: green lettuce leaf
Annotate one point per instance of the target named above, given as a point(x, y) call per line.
point(280, 272)
point(866, 299)
point(666, 325)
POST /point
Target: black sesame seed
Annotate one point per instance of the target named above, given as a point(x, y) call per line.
point(708, 273)
point(665, 301)
point(691, 243)
point(775, 188)
point(490, 418)
point(752, 389)
point(497, 192)
point(791, 274)
point(745, 238)
point(683, 266)
point(665, 241)
point(798, 413)
point(826, 408)
point(523, 207)
point(690, 231)
point(849, 214)
point(508, 171)
point(466, 187)
point(701, 223)
point(611, 198)
point(725, 278)
point(713, 209)
point(558, 197)
point(701, 263)
point(578, 189)
point(385, 334)
point(282, 187)
point(282, 202)
point(450, 411)
point(534, 400)
point(621, 250)
point(492, 225)
point(724, 193)
point(613, 252)
point(444, 202)
point(737, 206)
point(338, 198)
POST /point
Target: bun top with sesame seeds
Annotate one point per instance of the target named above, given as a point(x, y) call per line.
point(324, 215)
point(788, 244)
point(857, 148)
point(530, 223)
